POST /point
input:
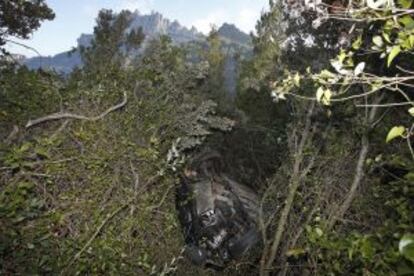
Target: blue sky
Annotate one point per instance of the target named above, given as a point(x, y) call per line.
point(74, 17)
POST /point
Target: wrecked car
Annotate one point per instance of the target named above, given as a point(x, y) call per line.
point(218, 215)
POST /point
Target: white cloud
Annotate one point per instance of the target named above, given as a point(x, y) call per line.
point(244, 18)
point(143, 6)
point(92, 7)
point(90, 10)
point(217, 18)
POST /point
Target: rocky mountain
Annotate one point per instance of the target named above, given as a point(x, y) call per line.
point(231, 33)
point(64, 62)
point(153, 25)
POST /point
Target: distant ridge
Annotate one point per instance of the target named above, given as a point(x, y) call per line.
point(153, 25)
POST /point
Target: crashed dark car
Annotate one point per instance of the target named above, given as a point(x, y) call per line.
point(218, 215)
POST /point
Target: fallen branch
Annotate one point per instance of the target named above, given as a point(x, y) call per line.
point(65, 115)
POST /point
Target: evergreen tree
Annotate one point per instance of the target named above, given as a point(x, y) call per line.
point(113, 44)
point(216, 59)
point(19, 18)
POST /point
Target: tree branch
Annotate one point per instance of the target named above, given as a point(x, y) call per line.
point(65, 115)
point(294, 184)
point(359, 170)
point(24, 46)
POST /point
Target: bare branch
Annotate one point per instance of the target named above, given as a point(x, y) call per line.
point(24, 46)
point(345, 17)
point(385, 105)
point(65, 115)
point(411, 132)
point(359, 171)
point(293, 186)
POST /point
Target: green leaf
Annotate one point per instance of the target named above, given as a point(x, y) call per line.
point(357, 43)
point(376, 4)
point(367, 249)
point(295, 252)
point(407, 21)
point(326, 74)
point(377, 40)
point(319, 94)
point(296, 80)
point(411, 111)
point(405, 44)
point(359, 68)
point(406, 4)
point(25, 147)
point(395, 132)
point(327, 97)
point(324, 96)
point(406, 246)
point(342, 56)
point(319, 231)
point(394, 52)
point(386, 36)
point(42, 152)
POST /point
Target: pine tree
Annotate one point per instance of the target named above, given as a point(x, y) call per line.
point(19, 18)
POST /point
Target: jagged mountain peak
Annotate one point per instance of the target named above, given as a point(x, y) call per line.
point(232, 33)
point(153, 24)
point(84, 40)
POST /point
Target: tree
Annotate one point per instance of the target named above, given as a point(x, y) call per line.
point(20, 18)
point(361, 76)
point(113, 45)
point(153, 114)
point(216, 59)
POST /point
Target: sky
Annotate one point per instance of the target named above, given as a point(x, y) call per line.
point(74, 17)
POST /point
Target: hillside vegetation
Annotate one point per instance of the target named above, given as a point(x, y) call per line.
point(321, 125)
